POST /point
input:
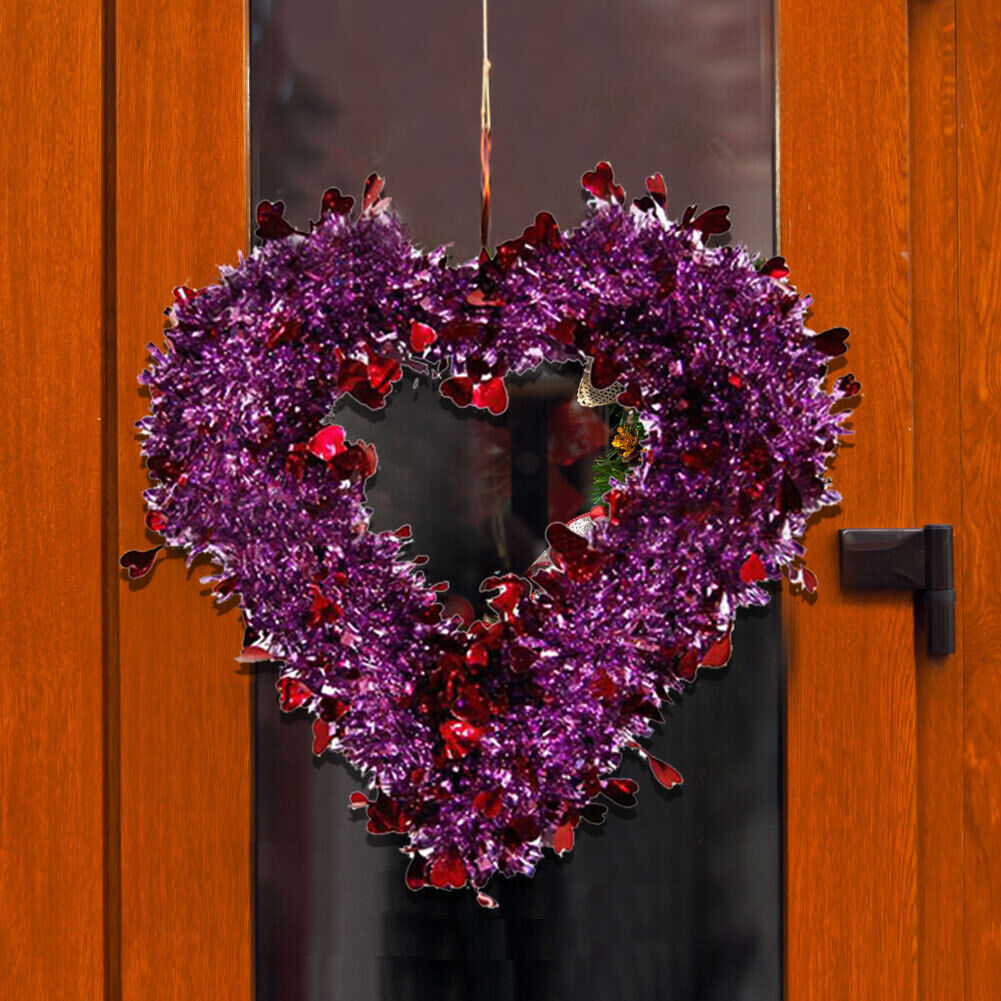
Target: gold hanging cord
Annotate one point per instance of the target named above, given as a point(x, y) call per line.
point(485, 142)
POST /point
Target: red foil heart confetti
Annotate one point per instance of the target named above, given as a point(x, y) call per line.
point(485, 743)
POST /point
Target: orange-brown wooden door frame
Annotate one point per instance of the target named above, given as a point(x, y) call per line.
point(890, 162)
point(851, 757)
point(185, 724)
point(53, 540)
point(934, 245)
point(978, 471)
point(125, 727)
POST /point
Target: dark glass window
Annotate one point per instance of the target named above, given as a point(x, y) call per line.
point(681, 897)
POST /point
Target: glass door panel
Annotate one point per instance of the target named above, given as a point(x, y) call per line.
point(681, 897)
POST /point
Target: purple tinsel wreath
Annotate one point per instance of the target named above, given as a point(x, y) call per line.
point(485, 745)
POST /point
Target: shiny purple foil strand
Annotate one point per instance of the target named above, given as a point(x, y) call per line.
point(730, 386)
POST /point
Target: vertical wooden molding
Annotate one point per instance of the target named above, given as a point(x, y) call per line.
point(52, 918)
point(850, 913)
point(937, 461)
point(978, 47)
point(186, 731)
point(111, 785)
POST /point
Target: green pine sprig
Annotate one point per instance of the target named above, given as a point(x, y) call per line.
point(612, 468)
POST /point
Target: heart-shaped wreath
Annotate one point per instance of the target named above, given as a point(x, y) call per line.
point(487, 744)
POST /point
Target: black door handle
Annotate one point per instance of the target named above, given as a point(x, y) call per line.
point(909, 559)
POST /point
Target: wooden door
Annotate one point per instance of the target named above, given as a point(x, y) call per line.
point(125, 797)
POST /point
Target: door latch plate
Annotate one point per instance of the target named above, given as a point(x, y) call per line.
point(909, 559)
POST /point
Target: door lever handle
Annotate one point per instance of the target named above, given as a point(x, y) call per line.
point(908, 559)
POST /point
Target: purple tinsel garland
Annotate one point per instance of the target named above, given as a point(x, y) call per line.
point(487, 745)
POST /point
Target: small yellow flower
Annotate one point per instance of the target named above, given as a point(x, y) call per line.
point(628, 443)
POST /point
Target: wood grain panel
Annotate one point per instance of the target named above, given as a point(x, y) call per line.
point(186, 733)
point(979, 101)
point(851, 771)
point(51, 547)
point(934, 323)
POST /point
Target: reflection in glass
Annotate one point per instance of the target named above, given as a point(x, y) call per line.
point(679, 898)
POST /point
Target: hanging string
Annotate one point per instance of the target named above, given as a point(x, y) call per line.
point(485, 142)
